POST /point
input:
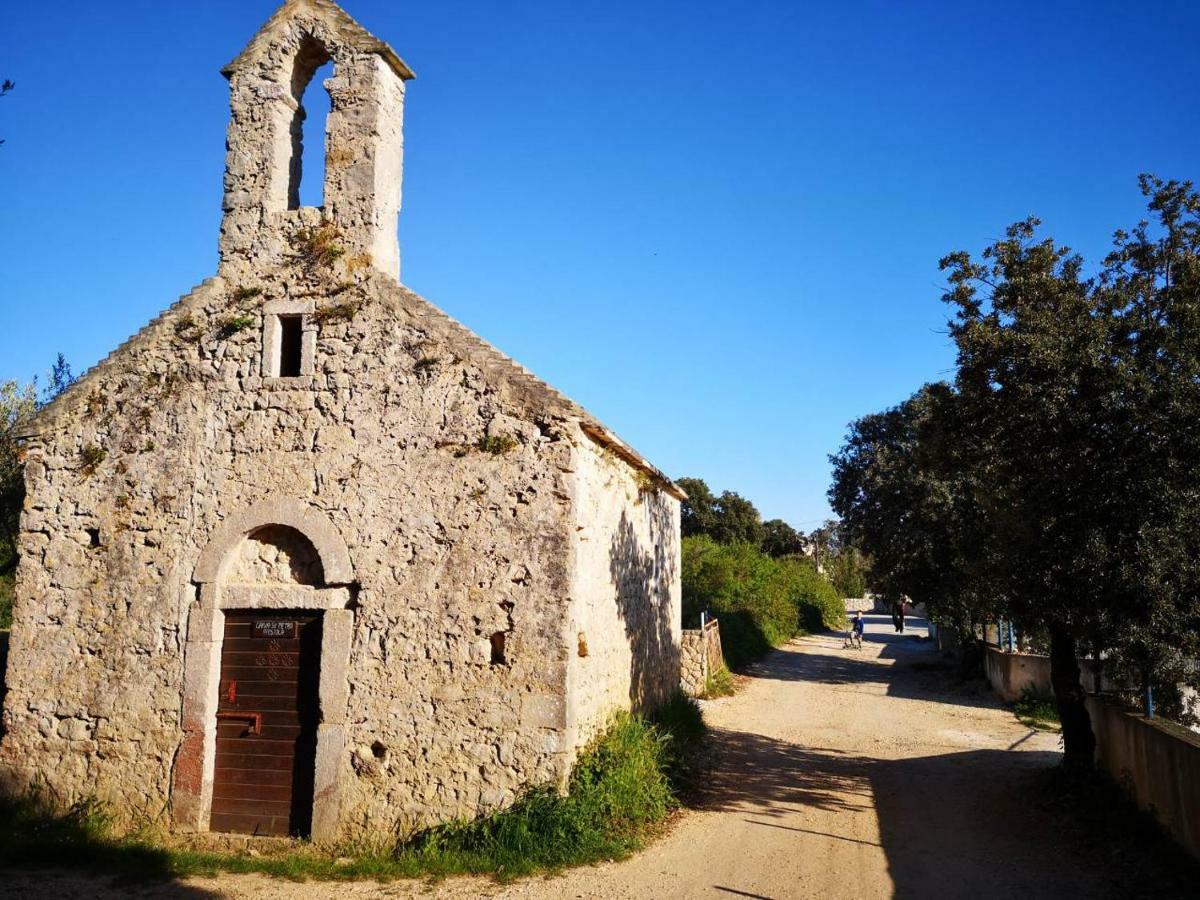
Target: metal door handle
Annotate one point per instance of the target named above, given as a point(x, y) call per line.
point(255, 719)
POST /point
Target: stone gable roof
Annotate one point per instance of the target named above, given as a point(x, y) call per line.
point(349, 32)
point(533, 393)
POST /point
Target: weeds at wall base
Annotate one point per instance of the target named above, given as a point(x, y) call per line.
point(719, 684)
point(1035, 711)
point(623, 788)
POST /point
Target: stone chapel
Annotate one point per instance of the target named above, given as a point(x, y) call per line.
point(305, 555)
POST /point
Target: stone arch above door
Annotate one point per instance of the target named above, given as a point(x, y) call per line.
point(297, 532)
point(309, 521)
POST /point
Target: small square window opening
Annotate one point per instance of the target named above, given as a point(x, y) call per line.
point(291, 342)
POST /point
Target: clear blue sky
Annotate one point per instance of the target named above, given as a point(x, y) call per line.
point(716, 225)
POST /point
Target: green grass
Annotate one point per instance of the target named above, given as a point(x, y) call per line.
point(623, 786)
point(719, 684)
point(1035, 711)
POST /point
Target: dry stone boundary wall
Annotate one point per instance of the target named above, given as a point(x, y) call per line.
point(701, 657)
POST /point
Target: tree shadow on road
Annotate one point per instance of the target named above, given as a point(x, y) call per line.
point(952, 825)
point(970, 824)
point(907, 667)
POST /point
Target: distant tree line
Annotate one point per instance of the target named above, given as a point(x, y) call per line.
point(5, 87)
point(1055, 482)
point(729, 518)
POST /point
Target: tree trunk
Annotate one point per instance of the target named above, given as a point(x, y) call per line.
point(1079, 742)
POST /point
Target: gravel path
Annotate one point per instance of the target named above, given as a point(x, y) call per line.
point(842, 774)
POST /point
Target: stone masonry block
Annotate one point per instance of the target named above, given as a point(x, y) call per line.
point(337, 635)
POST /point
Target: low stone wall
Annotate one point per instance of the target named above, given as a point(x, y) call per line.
point(1156, 762)
point(702, 656)
point(879, 605)
point(1012, 674)
point(863, 604)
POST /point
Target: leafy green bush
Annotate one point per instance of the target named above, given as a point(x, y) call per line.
point(760, 601)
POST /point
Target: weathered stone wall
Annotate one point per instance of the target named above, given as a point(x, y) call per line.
point(625, 617)
point(450, 545)
point(865, 604)
point(701, 657)
point(1014, 674)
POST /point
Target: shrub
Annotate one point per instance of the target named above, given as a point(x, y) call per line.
point(319, 247)
point(187, 328)
point(498, 444)
point(337, 312)
point(233, 325)
point(760, 601)
point(90, 458)
point(426, 364)
point(682, 727)
point(621, 784)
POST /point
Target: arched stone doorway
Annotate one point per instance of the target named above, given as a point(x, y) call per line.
point(276, 566)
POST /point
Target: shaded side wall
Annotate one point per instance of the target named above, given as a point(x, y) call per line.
point(624, 625)
point(1158, 764)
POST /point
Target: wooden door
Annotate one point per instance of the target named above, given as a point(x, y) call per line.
point(267, 723)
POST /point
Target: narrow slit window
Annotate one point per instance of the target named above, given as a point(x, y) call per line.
point(499, 658)
point(291, 344)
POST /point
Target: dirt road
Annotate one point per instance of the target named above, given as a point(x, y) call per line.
point(843, 774)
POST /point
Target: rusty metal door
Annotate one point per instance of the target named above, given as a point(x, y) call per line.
point(267, 723)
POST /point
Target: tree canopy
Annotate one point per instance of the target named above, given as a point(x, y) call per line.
point(1054, 482)
point(5, 87)
point(727, 519)
point(781, 539)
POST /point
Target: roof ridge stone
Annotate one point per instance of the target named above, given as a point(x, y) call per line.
point(46, 416)
point(497, 361)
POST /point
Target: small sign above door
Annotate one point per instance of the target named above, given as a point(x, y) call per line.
point(278, 629)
